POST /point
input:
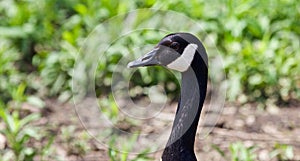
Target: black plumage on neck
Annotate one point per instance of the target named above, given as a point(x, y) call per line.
point(180, 145)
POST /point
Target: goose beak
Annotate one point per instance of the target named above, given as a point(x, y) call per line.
point(148, 59)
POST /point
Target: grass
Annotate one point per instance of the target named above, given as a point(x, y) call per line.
point(123, 153)
point(239, 152)
point(18, 133)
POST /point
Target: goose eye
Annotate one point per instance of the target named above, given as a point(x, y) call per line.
point(174, 45)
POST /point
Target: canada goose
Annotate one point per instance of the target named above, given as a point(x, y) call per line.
point(182, 52)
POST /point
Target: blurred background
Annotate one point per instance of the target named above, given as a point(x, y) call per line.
point(40, 42)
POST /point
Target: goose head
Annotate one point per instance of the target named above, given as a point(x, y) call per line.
point(175, 51)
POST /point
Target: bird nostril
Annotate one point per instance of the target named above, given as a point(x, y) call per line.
point(146, 57)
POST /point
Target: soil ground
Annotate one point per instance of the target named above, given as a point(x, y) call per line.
point(263, 129)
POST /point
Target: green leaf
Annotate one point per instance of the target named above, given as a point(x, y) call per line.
point(81, 9)
point(36, 101)
point(29, 118)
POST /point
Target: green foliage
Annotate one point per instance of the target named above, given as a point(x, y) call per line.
point(262, 36)
point(265, 47)
point(282, 152)
point(127, 146)
point(10, 77)
point(110, 109)
point(238, 152)
point(75, 144)
point(18, 132)
point(241, 153)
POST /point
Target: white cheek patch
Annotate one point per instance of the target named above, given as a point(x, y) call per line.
point(183, 62)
